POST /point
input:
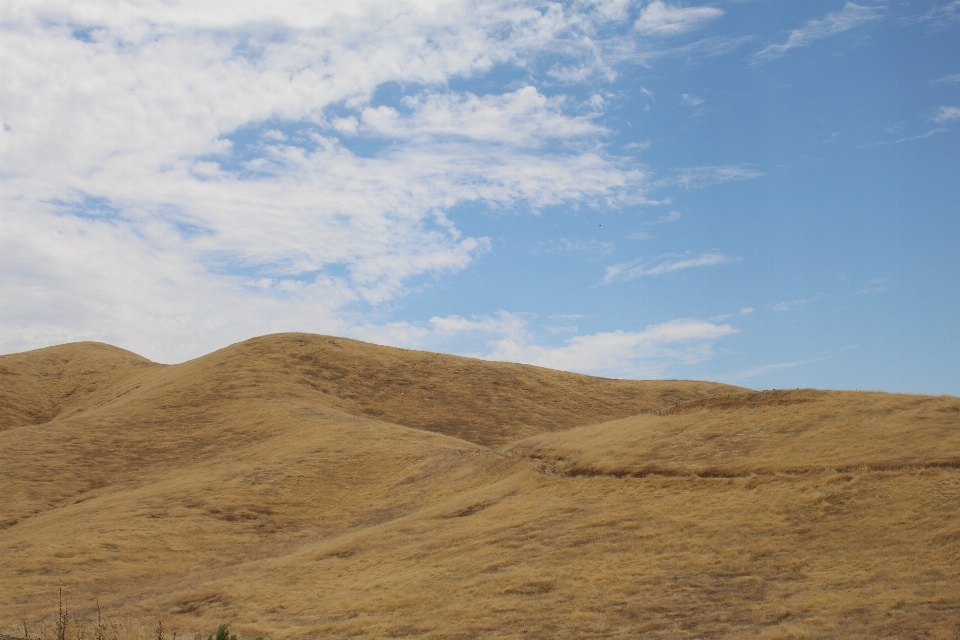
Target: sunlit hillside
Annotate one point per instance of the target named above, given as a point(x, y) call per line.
point(307, 486)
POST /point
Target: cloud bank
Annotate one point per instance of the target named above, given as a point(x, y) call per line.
point(214, 175)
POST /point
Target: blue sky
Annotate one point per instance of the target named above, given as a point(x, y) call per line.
point(758, 192)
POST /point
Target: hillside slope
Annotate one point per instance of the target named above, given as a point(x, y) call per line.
point(763, 433)
point(88, 425)
point(489, 403)
point(303, 486)
point(786, 514)
point(83, 416)
point(38, 386)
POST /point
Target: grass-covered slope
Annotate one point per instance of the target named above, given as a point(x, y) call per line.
point(38, 386)
point(312, 487)
point(770, 432)
point(87, 416)
point(489, 403)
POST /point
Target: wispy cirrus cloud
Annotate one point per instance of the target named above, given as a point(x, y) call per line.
point(627, 271)
point(948, 79)
point(945, 15)
point(877, 285)
point(926, 134)
point(711, 47)
point(662, 19)
point(947, 114)
point(576, 245)
point(673, 216)
point(699, 177)
point(756, 372)
point(793, 304)
point(852, 15)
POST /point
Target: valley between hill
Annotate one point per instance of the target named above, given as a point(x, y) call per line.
point(304, 486)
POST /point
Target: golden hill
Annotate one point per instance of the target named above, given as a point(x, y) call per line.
point(308, 486)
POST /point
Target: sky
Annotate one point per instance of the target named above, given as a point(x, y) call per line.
point(758, 192)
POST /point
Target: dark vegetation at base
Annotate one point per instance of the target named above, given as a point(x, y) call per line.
point(67, 628)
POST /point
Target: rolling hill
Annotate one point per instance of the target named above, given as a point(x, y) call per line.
point(308, 486)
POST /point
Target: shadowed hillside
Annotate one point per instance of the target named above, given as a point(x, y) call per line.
point(306, 486)
point(38, 386)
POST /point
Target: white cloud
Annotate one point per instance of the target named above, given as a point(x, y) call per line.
point(273, 134)
point(926, 134)
point(134, 212)
point(157, 299)
point(576, 245)
point(944, 16)
point(693, 101)
point(852, 15)
point(710, 47)
point(509, 326)
point(673, 216)
point(659, 18)
point(947, 114)
point(524, 117)
point(646, 353)
point(755, 372)
point(877, 285)
point(699, 177)
point(747, 310)
point(954, 77)
point(630, 270)
point(346, 125)
point(652, 352)
point(611, 9)
point(786, 306)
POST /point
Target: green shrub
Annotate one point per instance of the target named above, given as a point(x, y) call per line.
point(223, 634)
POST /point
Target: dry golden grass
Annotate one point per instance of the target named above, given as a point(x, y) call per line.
point(305, 486)
point(769, 432)
point(41, 385)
